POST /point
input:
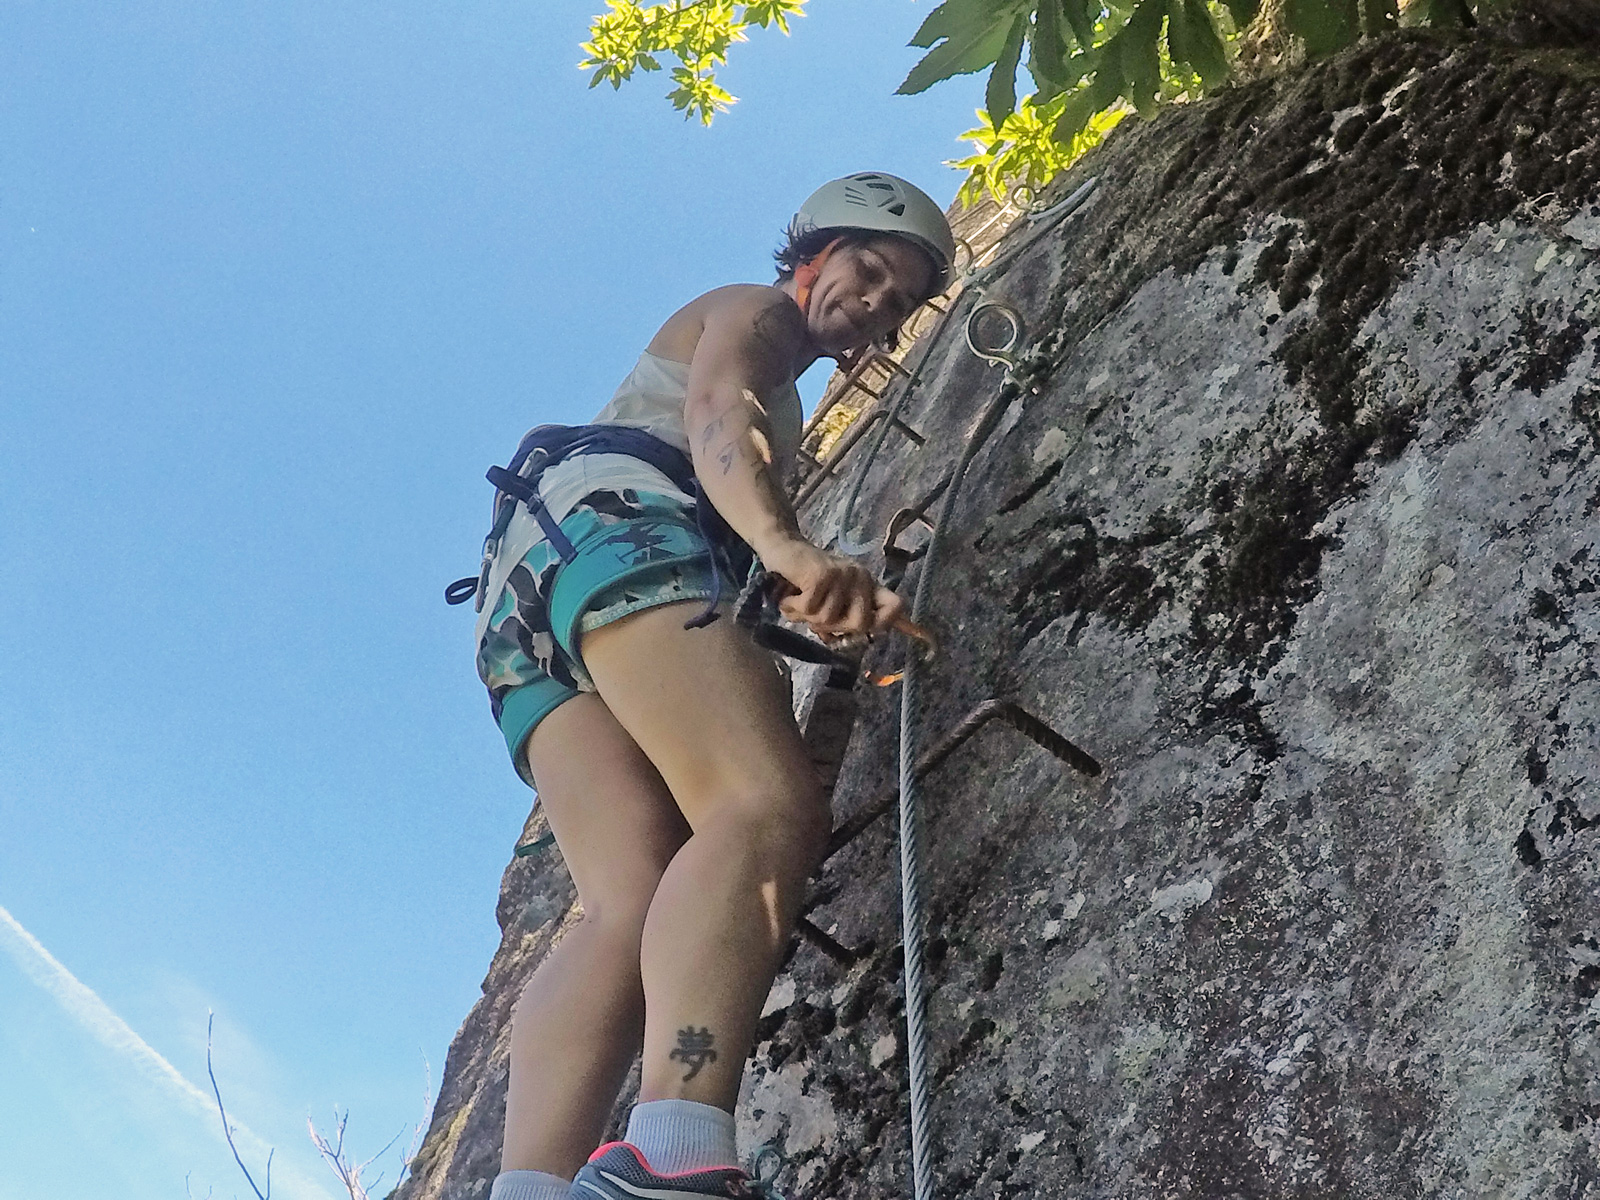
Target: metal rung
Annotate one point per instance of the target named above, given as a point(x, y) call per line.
point(1007, 711)
point(829, 945)
point(847, 443)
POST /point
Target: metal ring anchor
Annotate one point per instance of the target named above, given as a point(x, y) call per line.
point(1004, 354)
point(1024, 197)
point(958, 268)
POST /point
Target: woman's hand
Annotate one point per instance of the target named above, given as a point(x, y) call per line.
point(832, 594)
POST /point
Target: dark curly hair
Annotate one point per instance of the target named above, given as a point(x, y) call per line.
point(803, 243)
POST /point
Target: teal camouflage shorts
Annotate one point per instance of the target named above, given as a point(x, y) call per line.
point(635, 550)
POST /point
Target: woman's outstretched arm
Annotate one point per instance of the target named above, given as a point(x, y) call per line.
point(751, 341)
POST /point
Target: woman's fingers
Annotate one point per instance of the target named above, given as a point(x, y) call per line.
point(887, 606)
point(836, 603)
point(840, 597)
point(832, 601)
point(858, 617)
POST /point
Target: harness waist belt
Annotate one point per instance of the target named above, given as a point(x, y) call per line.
point(543, 447)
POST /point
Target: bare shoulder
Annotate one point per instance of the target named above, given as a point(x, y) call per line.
point(760, 314)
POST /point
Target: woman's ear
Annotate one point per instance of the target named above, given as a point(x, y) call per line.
point(889, 342)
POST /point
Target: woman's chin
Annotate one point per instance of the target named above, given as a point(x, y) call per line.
point(846, 342)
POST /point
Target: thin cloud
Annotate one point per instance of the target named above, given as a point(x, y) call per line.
point(96, 1017)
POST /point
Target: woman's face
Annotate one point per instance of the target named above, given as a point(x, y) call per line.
point(866, 290)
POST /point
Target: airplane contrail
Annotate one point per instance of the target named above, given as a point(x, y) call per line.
point(111, 1031)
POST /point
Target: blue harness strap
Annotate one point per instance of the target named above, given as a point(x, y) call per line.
point(519, 488)
point(544, 446)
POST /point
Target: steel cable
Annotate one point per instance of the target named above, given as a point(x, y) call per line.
point(911, 910)
point(911, 905)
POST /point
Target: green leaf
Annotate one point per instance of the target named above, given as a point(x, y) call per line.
point(1326, 25)
point(1000, 98)
point(1242, 11)
point(1441, 14)
point(973, 50)
point(1100, 92)
point(773, 12)
point(956, 18)
point(1379, 16)
point(1138, 54)
point(1192, 38)
point(697, 95)
point(1047, 51)
point(1081, 19)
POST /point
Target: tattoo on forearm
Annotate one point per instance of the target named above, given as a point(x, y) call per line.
point(711, 430)
point(746, 451)
point(694, 1050)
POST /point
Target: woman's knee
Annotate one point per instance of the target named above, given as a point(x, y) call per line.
point(618, 916)
point(789, 825)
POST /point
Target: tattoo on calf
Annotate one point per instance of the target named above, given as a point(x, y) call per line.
point(694, 1050)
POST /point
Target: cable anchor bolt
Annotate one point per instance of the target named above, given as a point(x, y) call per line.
point(1002, 353)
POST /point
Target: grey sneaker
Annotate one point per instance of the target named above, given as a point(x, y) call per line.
point(617, 1171)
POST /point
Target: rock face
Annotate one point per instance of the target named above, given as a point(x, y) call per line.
point(1292, 525)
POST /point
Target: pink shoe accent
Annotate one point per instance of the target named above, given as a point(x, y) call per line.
point(645, 1162)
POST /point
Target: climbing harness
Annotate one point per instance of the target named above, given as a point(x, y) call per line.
point(546, 445)
point(756, 609)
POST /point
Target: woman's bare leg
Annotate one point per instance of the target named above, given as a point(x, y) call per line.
point(709, 709)
point(581, 1016)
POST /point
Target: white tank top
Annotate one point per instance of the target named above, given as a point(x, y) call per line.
point(654, 393)
point(651, 398)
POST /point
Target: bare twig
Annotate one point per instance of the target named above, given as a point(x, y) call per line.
point(227, 1130)
point(333, 1154)
point(350, 1175)
point(421, 1129)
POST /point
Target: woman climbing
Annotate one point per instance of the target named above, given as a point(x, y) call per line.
point(661, 740)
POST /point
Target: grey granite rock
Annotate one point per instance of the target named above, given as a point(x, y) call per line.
point(1292, 524)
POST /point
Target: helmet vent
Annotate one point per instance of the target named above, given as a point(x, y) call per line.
point(898, 210)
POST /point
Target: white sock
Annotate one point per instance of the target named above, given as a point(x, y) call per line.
point(682, 1135)
point(529, 1185)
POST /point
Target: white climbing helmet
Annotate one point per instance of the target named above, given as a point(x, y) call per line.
point(880, 203)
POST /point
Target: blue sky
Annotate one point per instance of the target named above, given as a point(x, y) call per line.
point(277, 283)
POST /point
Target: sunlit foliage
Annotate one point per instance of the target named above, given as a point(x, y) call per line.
point(1090, 62)
point(1025, 151)
point(633, 37)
